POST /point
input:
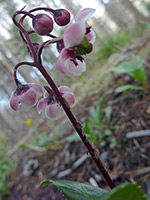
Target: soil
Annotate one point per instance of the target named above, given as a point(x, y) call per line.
point(129, 161)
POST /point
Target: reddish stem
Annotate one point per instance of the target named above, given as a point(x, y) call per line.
point(38, 63)
point(92, 150)
point(16, 68)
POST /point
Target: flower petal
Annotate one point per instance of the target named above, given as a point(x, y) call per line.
point(14, 102)
point(37, 88)
point(84, 14)
point(41, 104)
point(46, 94)
point(60, 65)
point(53, 111)
point(69, 98)
point(73, 69)
point(91, 36)
point(74, 34)
point(29, 97)
point(65, 89)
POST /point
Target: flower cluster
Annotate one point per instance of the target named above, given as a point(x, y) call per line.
point(76, 42)
point(52, 107)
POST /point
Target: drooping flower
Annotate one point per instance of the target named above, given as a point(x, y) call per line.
point(52, 108)
point(78, 40)
point(25, 94)
point(68, 63)
point(75, 33)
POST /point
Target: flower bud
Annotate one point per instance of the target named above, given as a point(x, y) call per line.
point(61, 17)
point(42, 24)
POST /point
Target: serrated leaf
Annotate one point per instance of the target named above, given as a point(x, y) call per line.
point(77, 191)
point(125, 191)
point(128, 87)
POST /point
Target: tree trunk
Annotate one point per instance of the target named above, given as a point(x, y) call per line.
point(138, 15)
point(71, 6)
point(113, 11)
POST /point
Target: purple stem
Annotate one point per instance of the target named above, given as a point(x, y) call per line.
point(78, 127)
point(17, 66)
point(92, 150)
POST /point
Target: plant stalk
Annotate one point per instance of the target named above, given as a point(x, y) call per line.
point(78, 127)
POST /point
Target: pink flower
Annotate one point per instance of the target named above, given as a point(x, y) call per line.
point(52, 108)
point(25, 94)
point(74, 34)
point(69, 63)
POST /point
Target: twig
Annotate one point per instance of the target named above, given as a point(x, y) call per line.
point(136, 134)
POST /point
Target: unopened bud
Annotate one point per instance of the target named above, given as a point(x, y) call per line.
point(42, 24)
point(61, 17)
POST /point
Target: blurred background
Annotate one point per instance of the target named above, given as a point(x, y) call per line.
point(115, 22)
point(110, 17)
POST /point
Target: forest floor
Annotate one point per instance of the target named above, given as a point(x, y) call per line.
point(128, 161)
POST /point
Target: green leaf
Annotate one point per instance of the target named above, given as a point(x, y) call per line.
point(125, 191)
point(101, 103)
point(84, 47)
point(33, 142)
point(108, 113)
point(114, 127)
point(94, 113)
point(128, 87)
point(127, 67)
point(87, 128)
point(77, 191)
point(140, 75)
point(73, 137)
point(113, 143)
point(22, 146)
point(107, 132)
point(103, 143)
point(134, 69)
